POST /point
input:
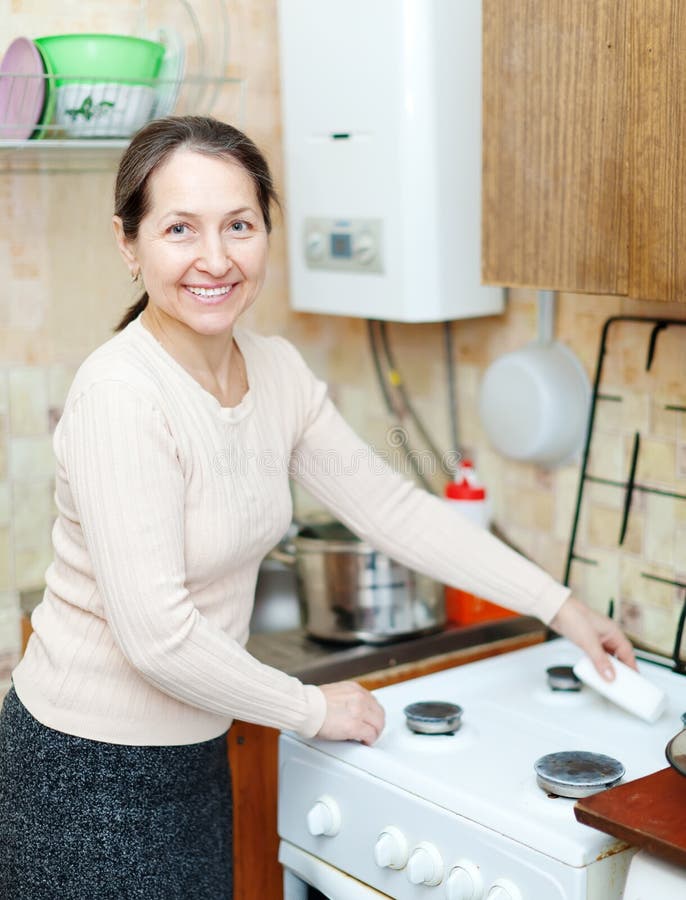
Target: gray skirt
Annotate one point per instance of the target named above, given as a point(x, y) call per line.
point(86, 820)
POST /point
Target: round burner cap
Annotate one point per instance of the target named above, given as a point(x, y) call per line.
point(577, 773)
point(433, 717)
point(562, 678)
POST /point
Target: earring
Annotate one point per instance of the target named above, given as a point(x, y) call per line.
point(135, 275)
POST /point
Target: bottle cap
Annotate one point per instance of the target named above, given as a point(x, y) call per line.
point(462, 490)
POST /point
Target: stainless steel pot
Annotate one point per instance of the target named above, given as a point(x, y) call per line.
point(350, 592)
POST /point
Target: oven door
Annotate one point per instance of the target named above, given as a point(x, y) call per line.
point(307, 878)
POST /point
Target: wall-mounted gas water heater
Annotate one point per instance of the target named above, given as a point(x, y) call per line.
point(382, 141)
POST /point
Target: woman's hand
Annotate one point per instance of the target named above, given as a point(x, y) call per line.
point(595, 634)
point(352, 714)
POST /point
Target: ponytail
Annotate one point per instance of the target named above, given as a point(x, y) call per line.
point(133, 312)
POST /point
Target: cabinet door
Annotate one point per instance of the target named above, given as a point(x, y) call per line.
point(657, 262)
point(555, 94)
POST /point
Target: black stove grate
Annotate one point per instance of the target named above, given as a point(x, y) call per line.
point(669, 647)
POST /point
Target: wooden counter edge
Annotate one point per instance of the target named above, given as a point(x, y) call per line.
point(661, 795)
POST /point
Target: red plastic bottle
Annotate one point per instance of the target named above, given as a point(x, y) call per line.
point(469, 497)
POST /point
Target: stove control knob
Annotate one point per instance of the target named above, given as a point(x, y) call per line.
point(425, 865)
point(504, 889)
point(464, 882)
point(324, 817)
point(390, 850)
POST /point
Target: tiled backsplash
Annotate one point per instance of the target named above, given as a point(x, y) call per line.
point(634, 556)
point(64, 288)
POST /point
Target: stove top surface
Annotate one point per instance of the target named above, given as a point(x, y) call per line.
point(485, 770)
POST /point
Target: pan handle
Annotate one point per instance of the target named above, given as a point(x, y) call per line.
point(675, 752)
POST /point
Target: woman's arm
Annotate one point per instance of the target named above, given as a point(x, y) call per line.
point(421, 531)
point(128, 489)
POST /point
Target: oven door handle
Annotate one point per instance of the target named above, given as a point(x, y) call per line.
point(331, 882)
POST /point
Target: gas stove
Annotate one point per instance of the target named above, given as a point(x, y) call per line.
point(462, 816)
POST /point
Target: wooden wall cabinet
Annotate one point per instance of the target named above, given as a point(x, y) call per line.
point(584, 116)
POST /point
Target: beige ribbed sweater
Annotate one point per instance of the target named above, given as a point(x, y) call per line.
point(168, 502)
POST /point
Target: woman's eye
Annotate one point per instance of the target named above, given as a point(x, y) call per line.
point(239, 227)
point(177, 229)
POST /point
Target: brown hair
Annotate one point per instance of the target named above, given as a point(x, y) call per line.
point(155, 143)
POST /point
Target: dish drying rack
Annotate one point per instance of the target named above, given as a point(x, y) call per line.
point(85, 124)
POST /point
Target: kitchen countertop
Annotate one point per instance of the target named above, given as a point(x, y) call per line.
point(317, 662)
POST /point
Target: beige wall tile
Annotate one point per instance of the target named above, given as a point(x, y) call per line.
point(608, 412)
point(565, 487)
point(578, 580)
point(663, 421)
point(604, 526)
point(635, 412)
point(4, 445)
point(681, 461)
point(4, 391)
point(602, 580)
point(28, 389)
point(6, 569)
point(31, 457)
point(31, 563)
point(634, 535)
point(607, 458)
point(649, 591)
point(60, 377)
point(529, 509)
point(680, 552)
point(33, 516)
point(660, 529)
point(10, 624)
point(5, 503)
point(651, 627)
point(656, 462)
point(604, 495)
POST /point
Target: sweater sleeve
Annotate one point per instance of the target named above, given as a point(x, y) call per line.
point(127, 485)
point(407, 523)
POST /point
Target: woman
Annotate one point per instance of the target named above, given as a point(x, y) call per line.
point(173, 458)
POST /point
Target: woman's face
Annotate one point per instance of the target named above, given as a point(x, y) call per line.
point(202, 246)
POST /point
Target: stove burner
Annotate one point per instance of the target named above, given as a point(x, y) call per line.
point(433, 717)
point(562, 678)
point(577, 773)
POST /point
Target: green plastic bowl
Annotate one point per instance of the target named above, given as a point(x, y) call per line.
point(80, 58)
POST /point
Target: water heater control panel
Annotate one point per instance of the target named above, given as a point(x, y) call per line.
point(343, 245)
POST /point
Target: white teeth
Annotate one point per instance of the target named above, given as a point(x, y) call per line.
point(209, 292)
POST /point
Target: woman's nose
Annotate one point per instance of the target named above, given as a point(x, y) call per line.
point(214, 256)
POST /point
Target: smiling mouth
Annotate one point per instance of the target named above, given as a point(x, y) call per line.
point(210, 293)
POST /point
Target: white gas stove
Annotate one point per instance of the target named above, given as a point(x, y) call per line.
point(461, 816)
